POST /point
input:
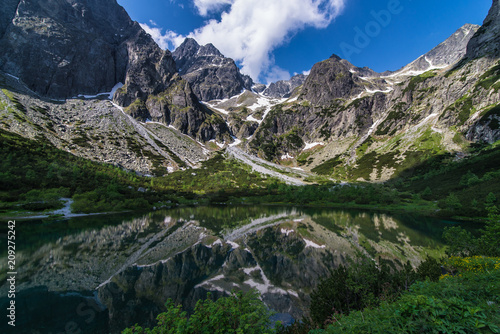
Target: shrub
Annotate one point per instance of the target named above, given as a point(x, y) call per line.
point(240, 313)
point(459, 304)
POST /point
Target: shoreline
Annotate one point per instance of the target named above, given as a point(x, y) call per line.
point(65, 213)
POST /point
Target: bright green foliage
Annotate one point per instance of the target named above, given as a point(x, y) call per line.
point(459, 304)
point(237, 314)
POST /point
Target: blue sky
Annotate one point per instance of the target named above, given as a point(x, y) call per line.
point(273, 39)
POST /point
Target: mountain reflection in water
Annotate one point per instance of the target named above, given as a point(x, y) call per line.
point(129, 266)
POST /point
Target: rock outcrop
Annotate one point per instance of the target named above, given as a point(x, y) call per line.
point(486, 41)
point(445, 54)
point(211, 75)
point(329, 80)
point(284, 88)
point(64, 48)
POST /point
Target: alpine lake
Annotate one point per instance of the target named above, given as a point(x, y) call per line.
point(100, 274)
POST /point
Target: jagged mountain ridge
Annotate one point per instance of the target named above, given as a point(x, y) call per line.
point(369, 127)
point(449, 52)
point(339, 107)
point(211, 75)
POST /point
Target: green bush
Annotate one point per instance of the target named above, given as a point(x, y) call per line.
point(240, 313)
point(461, 243)
point(459, 304)
point(363, 284)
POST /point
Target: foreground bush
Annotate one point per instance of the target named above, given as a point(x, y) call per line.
point(239, 314)
point(365, 284)
point(468, 302)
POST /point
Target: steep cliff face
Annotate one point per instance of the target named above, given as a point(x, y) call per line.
point(64, 48)
point(445, 54)
point(486, 41)
point(210, 74)
point(177, 106)
point(329, 80)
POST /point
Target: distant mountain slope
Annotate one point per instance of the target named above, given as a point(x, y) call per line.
point(445, 54)
point(353, 123)
point(284, 88)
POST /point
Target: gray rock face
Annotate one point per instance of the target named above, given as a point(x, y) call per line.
point(178, 106)
point(329, 80)
point(259, 88)
point(149, 69)
point(68, 47)
point(445, 54)
point(211, 75)
point(284, 88)
point(486, 41)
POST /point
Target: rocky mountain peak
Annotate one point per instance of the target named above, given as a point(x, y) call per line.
point(211, 75)
point(447, 53)
point(284, 88)
point(329, 80)
point(486, 41)
point(184, 52)
point(64, 48)
point(209, 50)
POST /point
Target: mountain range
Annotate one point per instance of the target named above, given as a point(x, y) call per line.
point(85, 77)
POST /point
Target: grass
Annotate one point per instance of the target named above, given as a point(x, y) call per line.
point(327, 168)
point(463, 108)
point(490, 78)
point(415, 81)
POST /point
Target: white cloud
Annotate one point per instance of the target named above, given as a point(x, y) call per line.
point(306, 72)
point(205, 6)
point(169, 40)
point(251, 29)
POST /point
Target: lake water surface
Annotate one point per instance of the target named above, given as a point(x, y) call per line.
point(101, 274)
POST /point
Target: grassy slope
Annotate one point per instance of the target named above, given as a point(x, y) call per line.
point(34, 174)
